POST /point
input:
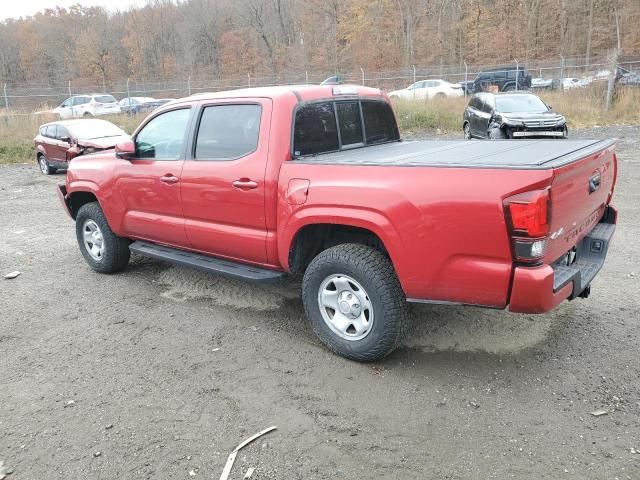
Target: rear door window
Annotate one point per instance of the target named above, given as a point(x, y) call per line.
point(51, 131)
point(81, 100)
point(315, 129)
point(227, 132)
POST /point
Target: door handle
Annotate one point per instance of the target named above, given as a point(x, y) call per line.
point(169, 178)
point(245, 184)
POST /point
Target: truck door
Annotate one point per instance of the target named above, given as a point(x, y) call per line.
point(223, 179)
point(147, 187)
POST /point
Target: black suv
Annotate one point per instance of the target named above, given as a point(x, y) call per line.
point(506, 79)
point(511, 115)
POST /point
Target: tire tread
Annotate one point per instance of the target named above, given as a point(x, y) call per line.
point(379, 271)
point(117, 253)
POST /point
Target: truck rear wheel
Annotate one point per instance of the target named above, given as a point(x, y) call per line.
point(354, 302)
point(102, 249)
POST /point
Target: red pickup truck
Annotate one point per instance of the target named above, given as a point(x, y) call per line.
point(315, 181)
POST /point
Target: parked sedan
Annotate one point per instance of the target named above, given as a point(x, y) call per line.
point(541, 83)
point(87, 106)
point(426, 89)
point(631, 79)
point(511, 115)
point(59, 142)
point(133, 105)
point(571, 82)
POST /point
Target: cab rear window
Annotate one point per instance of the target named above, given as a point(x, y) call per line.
point(338, 125)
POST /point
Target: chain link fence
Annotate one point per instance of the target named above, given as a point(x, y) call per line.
point(29, 98)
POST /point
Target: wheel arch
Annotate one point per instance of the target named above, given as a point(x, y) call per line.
point(78, 198)
point(305, 237)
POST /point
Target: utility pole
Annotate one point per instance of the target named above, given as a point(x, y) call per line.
point(466, 75)
point(6, 99)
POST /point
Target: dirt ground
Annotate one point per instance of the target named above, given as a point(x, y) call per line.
point(164, 370)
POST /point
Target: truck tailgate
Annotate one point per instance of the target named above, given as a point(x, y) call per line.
point(579, 194)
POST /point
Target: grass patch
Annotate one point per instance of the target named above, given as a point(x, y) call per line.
point(17, 131)
point(17, 152)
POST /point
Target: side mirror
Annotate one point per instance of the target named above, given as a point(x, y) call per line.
point(65, 139)
point(549, 107)
point(126, 150)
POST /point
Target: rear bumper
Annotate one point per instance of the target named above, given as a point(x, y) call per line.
point(540, 289)
point(64, 200)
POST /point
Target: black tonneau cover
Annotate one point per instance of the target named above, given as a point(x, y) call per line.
point(517, 154)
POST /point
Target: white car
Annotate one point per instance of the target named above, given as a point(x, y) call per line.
point(425, 89)
point(571, 82)
point(91, 105)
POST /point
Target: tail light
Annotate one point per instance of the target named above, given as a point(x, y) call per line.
point(528, 217)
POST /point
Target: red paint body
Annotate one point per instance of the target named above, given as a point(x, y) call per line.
point(443, 228)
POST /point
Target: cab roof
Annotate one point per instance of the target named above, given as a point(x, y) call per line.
point(302, 92)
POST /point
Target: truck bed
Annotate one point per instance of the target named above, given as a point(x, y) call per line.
point(513, 154)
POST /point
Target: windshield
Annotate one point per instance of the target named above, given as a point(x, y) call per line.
point(90, 129)
point(520, 104)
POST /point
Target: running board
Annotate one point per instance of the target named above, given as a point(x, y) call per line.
point(208, 264)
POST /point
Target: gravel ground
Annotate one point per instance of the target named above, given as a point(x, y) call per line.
point(164, 370)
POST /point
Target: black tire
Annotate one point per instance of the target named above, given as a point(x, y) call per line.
point(466, 131)
point(509, 88)
point(44, 165)
point(116, 249)
point(375, 273)
point(87, 115)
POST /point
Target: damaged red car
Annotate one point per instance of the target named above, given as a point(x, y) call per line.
point(57, 143)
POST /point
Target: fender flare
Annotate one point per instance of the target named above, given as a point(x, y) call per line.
point(371, 220)
point(82, 186)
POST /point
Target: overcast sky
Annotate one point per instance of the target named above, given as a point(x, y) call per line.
point(22, 8)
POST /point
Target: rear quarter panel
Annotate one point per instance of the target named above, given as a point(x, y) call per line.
point(444, 228)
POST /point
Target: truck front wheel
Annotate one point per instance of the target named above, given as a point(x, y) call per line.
point(354, 302)
point(102, 249)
